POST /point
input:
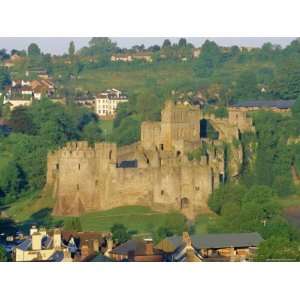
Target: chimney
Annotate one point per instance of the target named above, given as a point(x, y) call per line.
point(84, 251)
point(96, 245)
point(33, 230)
point(36, 241)
point(110, 244)
point(57, 239)
point(148, 246)
point(187, 239)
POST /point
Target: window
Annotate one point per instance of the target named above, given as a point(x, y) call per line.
point(161, 146)
point(57, 166)
point(78, 166)
point(162, 192)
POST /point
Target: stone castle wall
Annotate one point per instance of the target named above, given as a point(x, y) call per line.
point(85, 178)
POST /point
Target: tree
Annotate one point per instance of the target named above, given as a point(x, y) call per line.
point(21, 121)
point(182, 43)
point(12, 181)
point(154, 48)
point(166, 44)
point(278, 249)
point(225, 194)
point(100, 45)
point(4, 78)
point(92, 133)
point(209, 59)
point(120, 233)
point(296, 107)
point(71, 49)
point(128, 132)
point(246, 86)
point(163, 232)
point(287, 83)
point(3, 255)
point(33, 50)
point(3, 54)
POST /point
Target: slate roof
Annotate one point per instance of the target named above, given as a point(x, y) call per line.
point(281, 104)
point(57, 256)
point(224, 240)
point(135, 246)
point(25, 245)
point(212, 241)
point(46, 242)
point(101, 258)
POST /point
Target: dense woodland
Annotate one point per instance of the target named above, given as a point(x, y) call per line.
point(222, 76)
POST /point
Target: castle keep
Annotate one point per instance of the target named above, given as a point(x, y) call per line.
point(157, 171)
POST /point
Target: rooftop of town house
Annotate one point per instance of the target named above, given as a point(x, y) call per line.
point(225, 240)
point(212, 241)
point(123, 55)
point(27, 243)
point(57, 256)
point(112, 94)
point(99, 257)
point(281, 104)
point(138, 247)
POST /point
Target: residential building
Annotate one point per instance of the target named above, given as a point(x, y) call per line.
point(121, 57)
point(271, 105)
point(87, 101)
point(42, 246)
point(15, 58)
point(146, 56)
point(13, 103)
point(129, 57)
point(196, 52)
point(208, 247)
point(84, 245)
point(106, 103)
point(22, 92)
point(136, 250)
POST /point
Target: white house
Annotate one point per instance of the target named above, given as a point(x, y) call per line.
point(106, 103)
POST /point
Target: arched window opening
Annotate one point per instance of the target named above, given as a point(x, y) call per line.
point(184, 203)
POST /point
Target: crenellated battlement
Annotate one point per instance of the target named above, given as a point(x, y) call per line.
point(155, 171)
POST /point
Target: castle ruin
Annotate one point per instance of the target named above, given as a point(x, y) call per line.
point(156, 171)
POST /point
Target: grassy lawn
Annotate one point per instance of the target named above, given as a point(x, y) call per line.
point(139, 218)
point(202, 221)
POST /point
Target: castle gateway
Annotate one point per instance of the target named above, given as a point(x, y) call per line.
point(158, 171)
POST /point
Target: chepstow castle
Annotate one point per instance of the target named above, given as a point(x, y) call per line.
point(158, 171)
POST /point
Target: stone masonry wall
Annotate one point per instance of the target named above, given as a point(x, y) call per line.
point(86, 178)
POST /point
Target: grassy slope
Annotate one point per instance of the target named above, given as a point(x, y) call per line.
point(138, 218)
point(132, 78)
point(23, 209)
